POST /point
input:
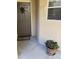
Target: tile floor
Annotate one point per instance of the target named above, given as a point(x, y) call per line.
point(31, 49)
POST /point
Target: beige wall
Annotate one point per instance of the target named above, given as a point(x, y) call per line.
point(33, 25)
point(48, 29)
point(33, 18)
point(23, 0)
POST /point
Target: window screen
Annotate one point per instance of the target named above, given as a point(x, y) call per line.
point(54, 13)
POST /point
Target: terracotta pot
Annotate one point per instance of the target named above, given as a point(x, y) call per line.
point(51, 51)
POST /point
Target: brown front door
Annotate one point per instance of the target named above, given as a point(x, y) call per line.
point(23, 19)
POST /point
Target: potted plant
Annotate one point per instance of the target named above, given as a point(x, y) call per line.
point(51, 47)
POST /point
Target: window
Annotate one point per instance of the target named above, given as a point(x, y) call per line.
point(54, 10)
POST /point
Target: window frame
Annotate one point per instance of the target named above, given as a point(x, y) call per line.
point(53, 8)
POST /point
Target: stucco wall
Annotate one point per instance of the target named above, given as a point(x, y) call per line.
point(23, 0)
point(48, 29)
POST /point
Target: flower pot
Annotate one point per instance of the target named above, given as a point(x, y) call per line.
point(51, 51)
